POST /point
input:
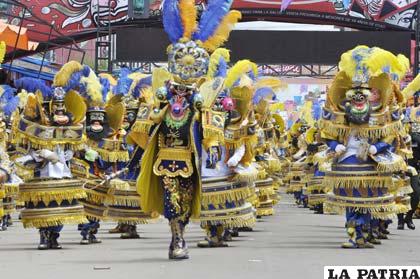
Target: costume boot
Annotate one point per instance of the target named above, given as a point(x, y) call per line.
point(120, 228)
point(131, 233)
point(178, 249)
point(400, 221)
point(44, 239)
point(92, 234)
point(227, 235)
point(383, 227)
point(3, 223)
point(9, 220)
point(356, 237)
point(409, 220)
point(214, 238)
point(53, 240)
point(84, 232)
point(235, 231)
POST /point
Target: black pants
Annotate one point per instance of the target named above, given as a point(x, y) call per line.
point(415, 196)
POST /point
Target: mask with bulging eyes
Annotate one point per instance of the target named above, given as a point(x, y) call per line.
point(97, 127)
point(357, 106)
point(58, 113)
point(130, 118)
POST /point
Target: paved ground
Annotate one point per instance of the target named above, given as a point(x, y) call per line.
point(292, 244)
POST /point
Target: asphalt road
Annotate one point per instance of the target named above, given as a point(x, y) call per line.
point(294, 243)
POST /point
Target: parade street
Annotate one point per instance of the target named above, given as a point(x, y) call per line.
point(295, 243)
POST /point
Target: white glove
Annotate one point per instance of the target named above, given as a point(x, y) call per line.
point(48, 155)
point(373, 150)
point(24, 159)
point(340, 148)
point(237, 156)
point(68, 155)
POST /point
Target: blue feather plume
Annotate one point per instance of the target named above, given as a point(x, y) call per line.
point(141, 84)
point(74, 81)
point(124, 83)
point(32, 85)
point(222, 68)
point(106, 86)
point(11, 106)
point(172, 20)
point(9, 102)
point(211, 18)
point(261, 94)
point(316, 110)
point(86, 71)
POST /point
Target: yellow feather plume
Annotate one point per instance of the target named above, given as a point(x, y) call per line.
point(159, 77)
point(62, 77)
point(93, 88)
point(109, 77)
point(188, 15)
point(221, 34)
point(2, 51)
point(215, 59)
point(412, 87)
point(240, 68)
point(274, 83)
point(305, 113)
point(376, 60)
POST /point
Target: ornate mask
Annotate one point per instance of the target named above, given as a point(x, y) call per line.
point(357, 106)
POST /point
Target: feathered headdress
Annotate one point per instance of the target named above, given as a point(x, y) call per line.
point(32, 85)
point(363, 63)
point(8, 100)
point(242, 67)
point(218, 63)
point(213, 28)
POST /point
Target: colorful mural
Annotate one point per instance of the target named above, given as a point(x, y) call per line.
point(79, 16)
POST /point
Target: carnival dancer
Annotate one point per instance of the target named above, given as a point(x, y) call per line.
point(8, 179)
point(227, 188)
point(123, 203)
point(9, 103)
point(267, 162)
point(170, 178)
point(298, 153)
point(50, 130)
point(360, 136)
point(315, 186)
point(413, 160)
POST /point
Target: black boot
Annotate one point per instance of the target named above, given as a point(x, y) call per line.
point(400, 222)
point(53, 240)
point(409, 220)
point(131, 233)
point(92, 234)
point(3, 223)
point(44, 240)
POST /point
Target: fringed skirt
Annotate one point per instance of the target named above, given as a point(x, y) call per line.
point(225, 202)
point(52, 202)
point(360, 188)
point(266, 197)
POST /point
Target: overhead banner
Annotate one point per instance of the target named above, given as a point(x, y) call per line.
point(73, 17)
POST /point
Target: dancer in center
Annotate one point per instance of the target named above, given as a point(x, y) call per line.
point(181, 122)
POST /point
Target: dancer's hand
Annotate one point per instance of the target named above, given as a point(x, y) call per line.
point(373, 150)
point(340, 149)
